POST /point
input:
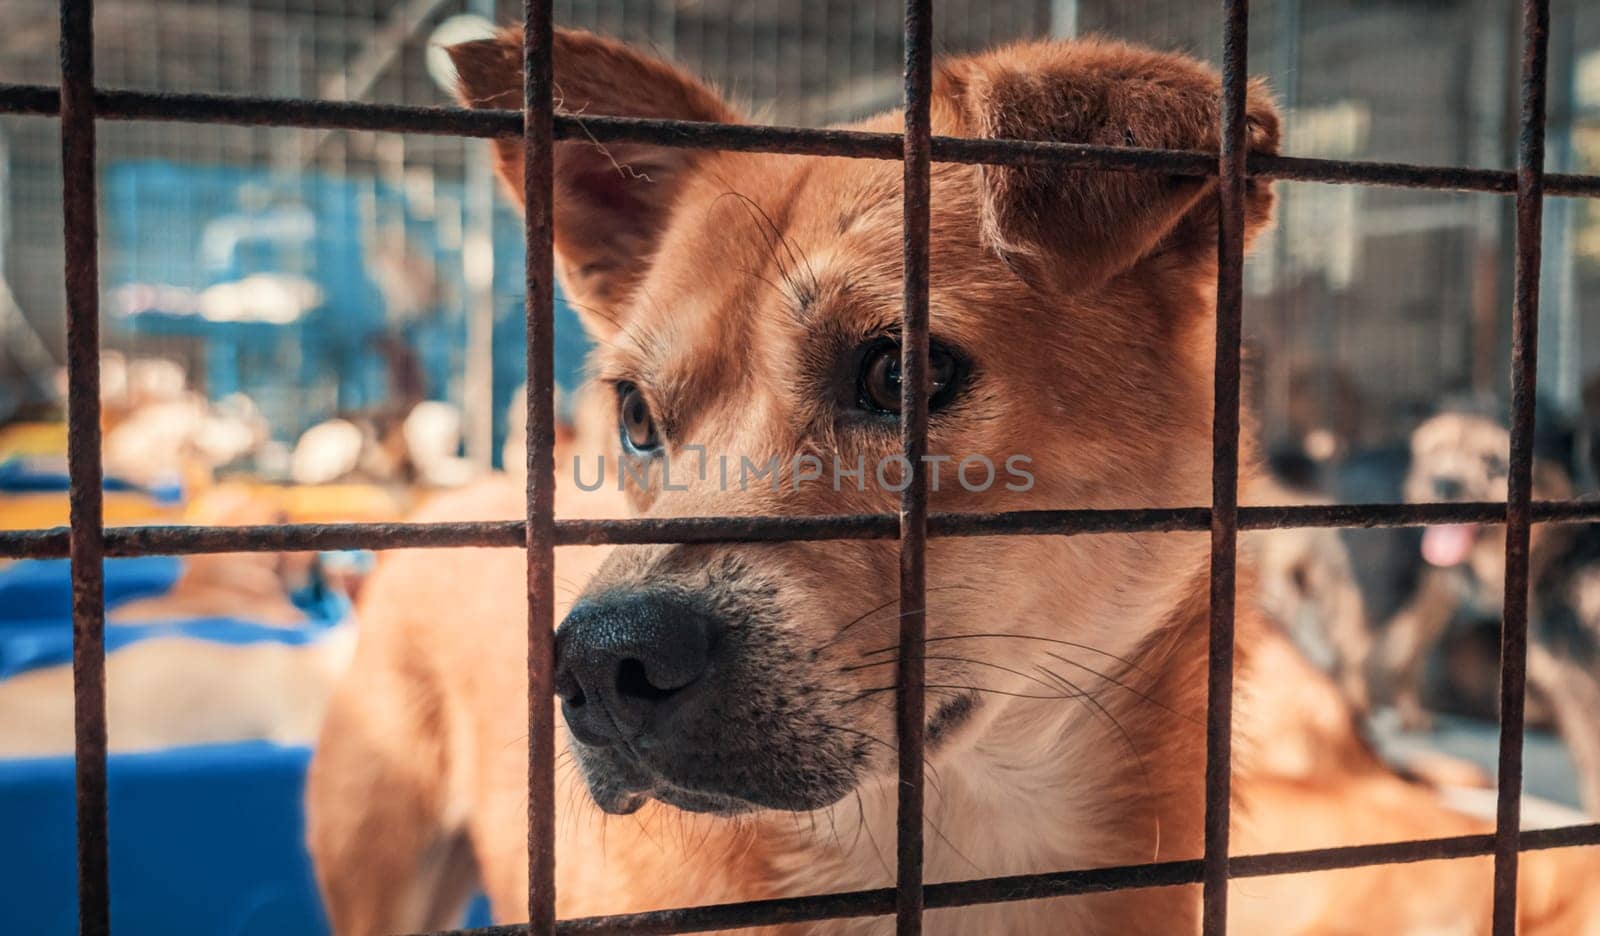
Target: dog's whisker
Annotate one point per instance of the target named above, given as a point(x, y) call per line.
point(1142, 695)
point(832, 824)
point(644, 829)
point(1089, 701)
point(751, 834)
point(1114, 681)
point(762, 279)
point(839, 634)
point(935, 783)
point(933, 772)
point(1002, 636)
point(863, 826)
point(956, 659)
point(778, 238)
point(953, 688)
point(752, 210)
point(954, 850)
point(598, 313)
point(569, 582)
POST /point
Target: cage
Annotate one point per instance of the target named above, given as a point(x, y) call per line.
point(1338, 282)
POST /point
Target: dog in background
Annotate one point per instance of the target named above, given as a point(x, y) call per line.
point(417, 445)
point(159, 429)
point(257, 585)
point(165, 692)
point(169, 690)
point(1307, 586)
point(1460, 455)
point(728, 705)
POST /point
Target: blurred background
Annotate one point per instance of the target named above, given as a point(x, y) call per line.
point(321, 325)
point(1366, 304)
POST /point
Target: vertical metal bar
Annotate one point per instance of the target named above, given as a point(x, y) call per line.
point(910, 700)
point(538, 139)
point(1225, 465)
point(1519, 490)
point(87, 534)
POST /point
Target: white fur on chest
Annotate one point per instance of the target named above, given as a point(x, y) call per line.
point(1041, 813)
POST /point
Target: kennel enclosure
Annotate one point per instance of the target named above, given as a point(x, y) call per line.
point(79, 106)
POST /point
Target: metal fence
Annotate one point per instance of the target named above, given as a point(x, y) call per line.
point(375, 199)
point(78, 105)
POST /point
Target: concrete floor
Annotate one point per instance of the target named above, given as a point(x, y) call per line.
point(1548, 779)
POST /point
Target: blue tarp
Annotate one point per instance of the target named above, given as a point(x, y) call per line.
point(205, 840)
point(22, 476)
point(36, 611)
point(35, 590)
point(32, 645)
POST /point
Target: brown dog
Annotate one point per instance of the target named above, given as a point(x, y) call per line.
point(1307, 588)
point(171, 690)
point(729, 708)
point(1462, 456)
point(257, 585)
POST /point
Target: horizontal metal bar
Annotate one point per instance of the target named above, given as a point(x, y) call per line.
point(252, 110)
point(44, 100)
point(174, 540)
point(880, 902)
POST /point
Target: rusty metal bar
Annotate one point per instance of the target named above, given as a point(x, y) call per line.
point(186, 540)
point(257, 111)
point(78, 105)
point(86, 536)
point(1225, 465)
point(43, 100)
point(538, 144)
point(880, 902)
point(1519, 485)
point(910, 697)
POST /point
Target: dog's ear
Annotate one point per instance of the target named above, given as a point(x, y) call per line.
point(1073, 229)
point(611, 200)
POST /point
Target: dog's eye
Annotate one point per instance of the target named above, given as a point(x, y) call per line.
point(637, 426)
point(878, 384)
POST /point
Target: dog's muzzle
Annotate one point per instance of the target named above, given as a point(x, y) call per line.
point(667, 699)
point(627, 663)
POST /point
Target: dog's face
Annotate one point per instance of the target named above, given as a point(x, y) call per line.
point(1464, 457)
point(747, 309)
point(1459, 457)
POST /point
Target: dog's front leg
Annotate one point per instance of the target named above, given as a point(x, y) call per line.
point(1574, 696)
point(1411, 634)
point(386, 860)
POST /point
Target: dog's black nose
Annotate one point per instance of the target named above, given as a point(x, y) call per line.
point(624, 660)
point(1448, 488)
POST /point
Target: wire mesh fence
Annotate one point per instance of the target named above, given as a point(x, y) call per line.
point(80, 108)
point(1374, 297)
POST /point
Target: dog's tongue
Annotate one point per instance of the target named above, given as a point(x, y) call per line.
point(1448, 545)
